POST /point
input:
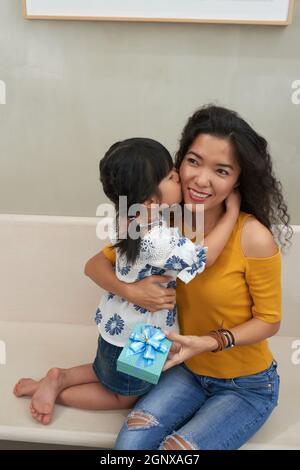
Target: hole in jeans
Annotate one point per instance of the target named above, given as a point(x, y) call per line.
point(176, 442)
point(141, 420)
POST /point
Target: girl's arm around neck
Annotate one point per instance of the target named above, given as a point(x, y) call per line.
point(219, 236)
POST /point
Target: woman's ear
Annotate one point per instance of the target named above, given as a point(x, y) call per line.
point(236, 185)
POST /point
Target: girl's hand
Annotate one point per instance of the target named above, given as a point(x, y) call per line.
point(233, 201)
point(148, 294)
point(185, 346)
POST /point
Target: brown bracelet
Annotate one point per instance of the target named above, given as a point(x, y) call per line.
point(219, 338)
point(224, 338)
point(229, 337)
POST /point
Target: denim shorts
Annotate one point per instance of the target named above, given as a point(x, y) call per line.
point(105, 368)
point(205, 412)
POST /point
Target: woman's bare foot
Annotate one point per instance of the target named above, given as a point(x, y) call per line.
point(25, 387)
point(42, 403)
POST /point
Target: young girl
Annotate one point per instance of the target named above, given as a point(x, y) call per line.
point(142, 170)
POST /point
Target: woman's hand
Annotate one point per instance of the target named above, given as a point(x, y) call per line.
point(148, 294)
point(185, 346)
point(233, 201)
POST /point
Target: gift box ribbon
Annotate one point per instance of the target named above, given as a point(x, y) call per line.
point(146, 344)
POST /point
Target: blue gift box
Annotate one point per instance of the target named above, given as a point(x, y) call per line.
point(145, 353)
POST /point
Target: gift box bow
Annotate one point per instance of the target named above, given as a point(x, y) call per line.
point(146, 344)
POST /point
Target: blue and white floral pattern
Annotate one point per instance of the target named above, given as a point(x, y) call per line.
point(124, 270)
point(140, 309)
point(157, 271)
point(171, 285)
point(181, 241)
point(171, 317)
point(98, 316)
point(144, 272)
point(163, 252)
point(201, 255)
point(187, 274)
point(175, 263)
point(147, 245)
point(115, 325)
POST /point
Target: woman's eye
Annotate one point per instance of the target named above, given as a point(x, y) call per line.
point(223, 172)
point(192, 160)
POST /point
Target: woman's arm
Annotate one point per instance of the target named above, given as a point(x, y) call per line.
point(146, 293)
point(184, 347)
point(256, 242)
point(219, 236)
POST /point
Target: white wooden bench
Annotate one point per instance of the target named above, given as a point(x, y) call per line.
point(47, 307)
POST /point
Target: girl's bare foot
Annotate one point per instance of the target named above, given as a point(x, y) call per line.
point(42, 403)
point(25, 387)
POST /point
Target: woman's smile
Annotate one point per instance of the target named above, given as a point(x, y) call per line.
point(198, 196)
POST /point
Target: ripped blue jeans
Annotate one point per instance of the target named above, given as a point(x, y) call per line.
point(199, 412)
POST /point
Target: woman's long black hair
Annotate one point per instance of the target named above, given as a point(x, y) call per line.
point(261, 192)
point(133, 168)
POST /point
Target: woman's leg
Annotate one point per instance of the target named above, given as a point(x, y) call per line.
point(228, 419)
point(176, 398)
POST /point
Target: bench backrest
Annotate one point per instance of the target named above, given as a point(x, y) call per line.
point(42, 271)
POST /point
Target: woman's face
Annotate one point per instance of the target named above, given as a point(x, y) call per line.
point(208, 172)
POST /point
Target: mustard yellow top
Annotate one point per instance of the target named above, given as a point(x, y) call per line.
point(230, 292)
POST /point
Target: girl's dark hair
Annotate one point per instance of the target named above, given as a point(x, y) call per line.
point(133, 168)
point(261, 192)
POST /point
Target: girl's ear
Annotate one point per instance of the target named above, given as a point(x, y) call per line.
point(236, 185)
point(175, 175)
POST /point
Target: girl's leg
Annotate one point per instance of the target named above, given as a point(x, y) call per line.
point(26, 387)
point(77, 375)
point(78, 387)
point(94, 396)
point(85, 396)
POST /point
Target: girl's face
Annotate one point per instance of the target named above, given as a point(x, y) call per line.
point(170, 189)
point(208, 172)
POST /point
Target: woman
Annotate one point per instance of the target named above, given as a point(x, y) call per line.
point(208, 399)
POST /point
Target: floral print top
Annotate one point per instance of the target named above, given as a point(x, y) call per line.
point(163, 250)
